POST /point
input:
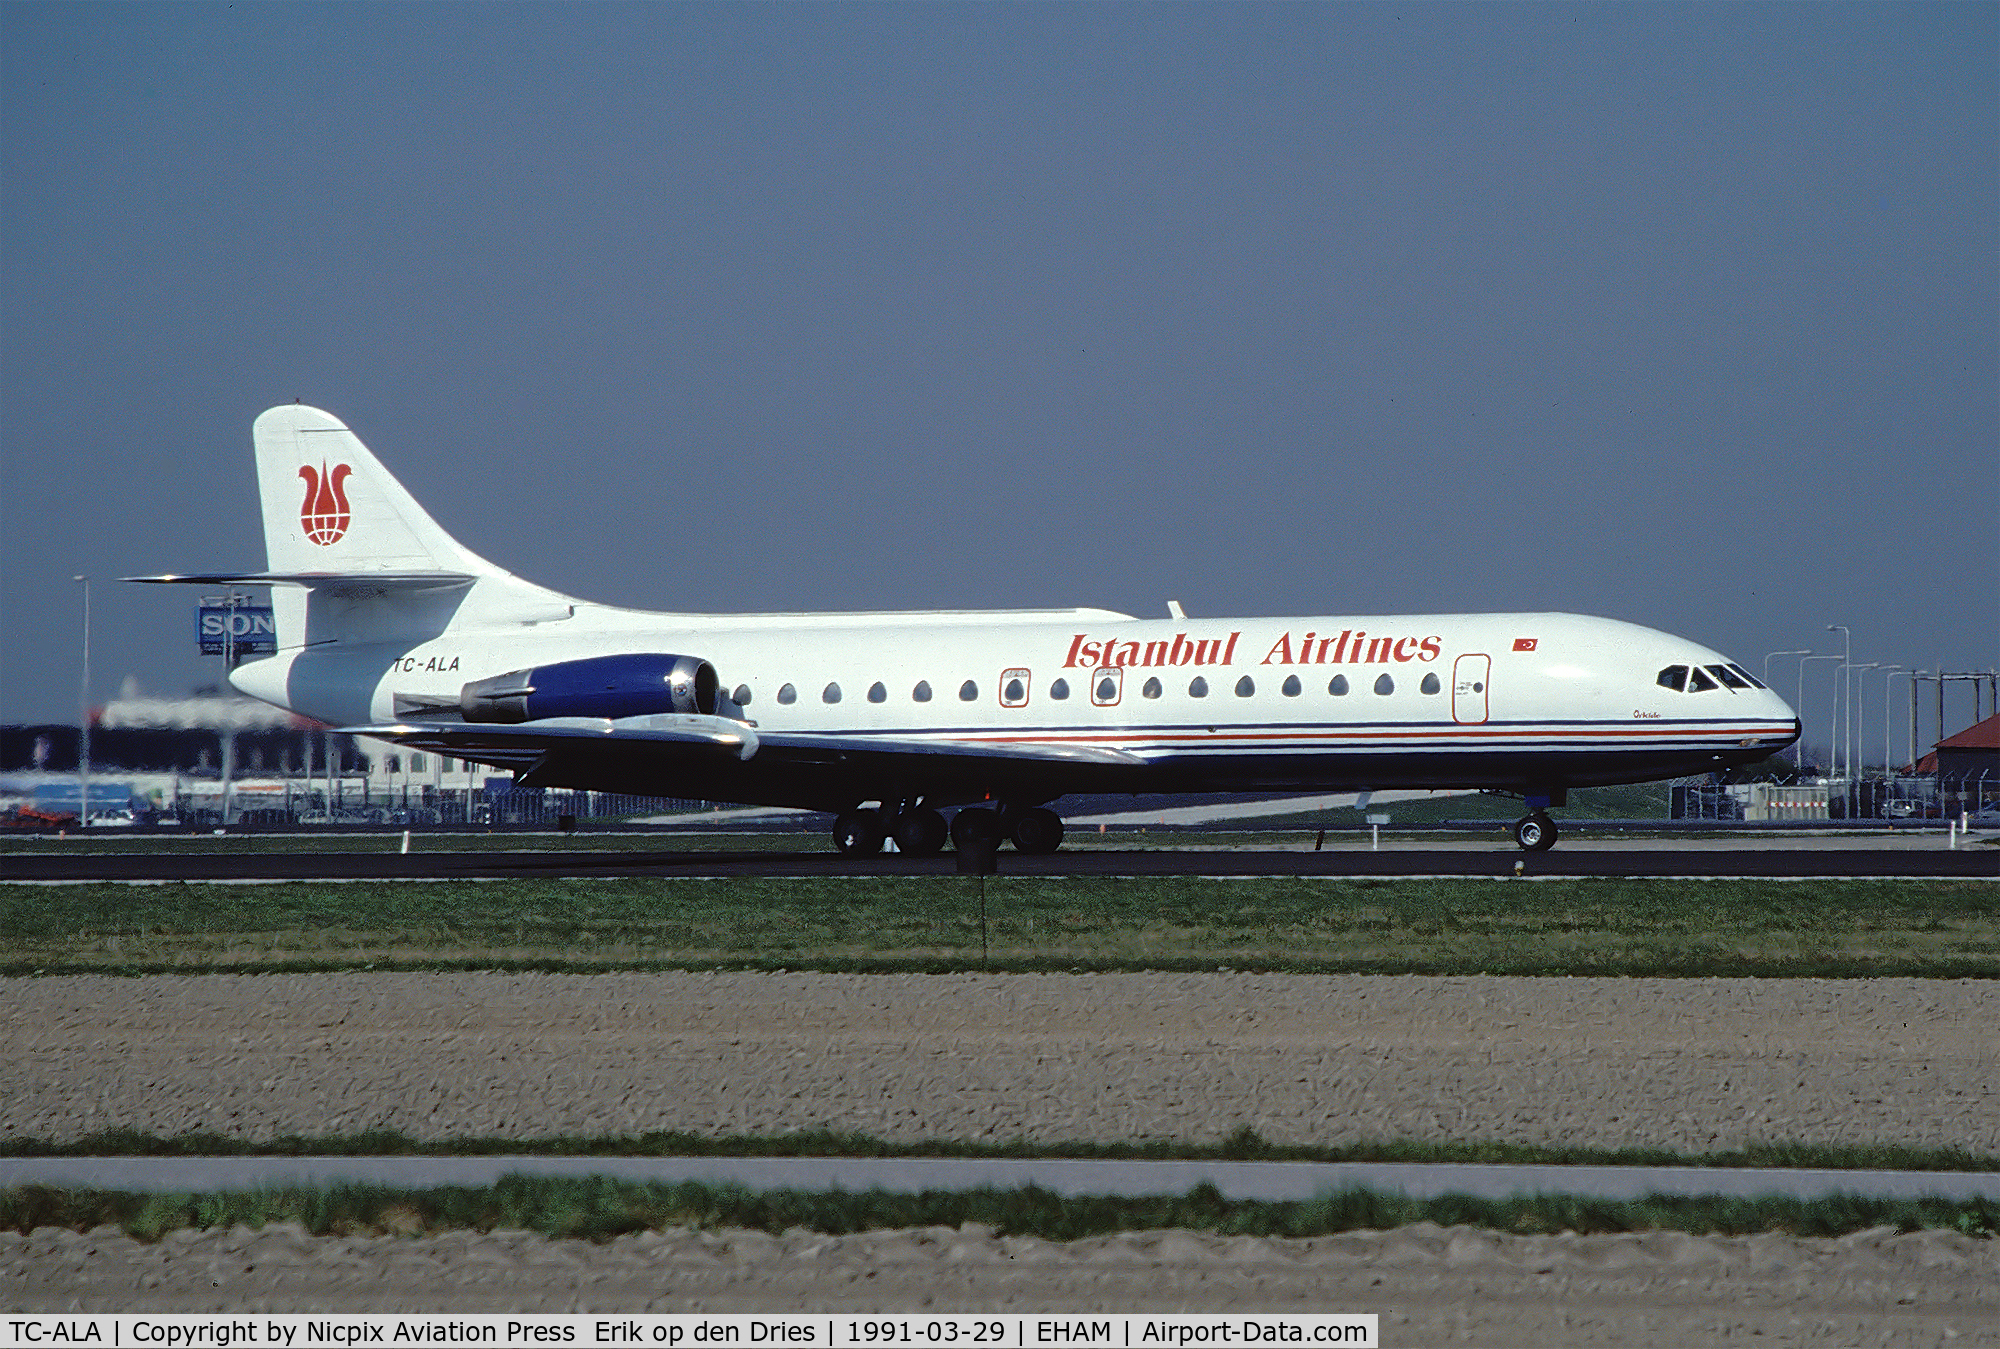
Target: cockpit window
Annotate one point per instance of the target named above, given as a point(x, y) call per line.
point(1674, 677)
point(1755, 682)
point(1728, 676)
point(1699, 682)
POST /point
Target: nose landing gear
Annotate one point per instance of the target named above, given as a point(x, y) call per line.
point(1535, 832)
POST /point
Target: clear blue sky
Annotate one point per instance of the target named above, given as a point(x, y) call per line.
point(1680, 314)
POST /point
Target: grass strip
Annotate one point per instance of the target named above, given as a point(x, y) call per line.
point(599, 1209)
point(1243, 1145)
point(1306, 925)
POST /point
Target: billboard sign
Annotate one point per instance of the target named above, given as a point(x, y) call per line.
point(245, 629)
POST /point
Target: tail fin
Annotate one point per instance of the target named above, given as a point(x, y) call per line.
point(358, 559)
point(330, 506)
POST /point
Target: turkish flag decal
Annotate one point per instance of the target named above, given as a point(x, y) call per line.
point(1524, 643)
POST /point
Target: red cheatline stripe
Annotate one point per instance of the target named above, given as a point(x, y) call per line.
point(1443, 733)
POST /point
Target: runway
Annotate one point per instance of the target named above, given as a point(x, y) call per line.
point(1266, 1181)
point(1663, 858)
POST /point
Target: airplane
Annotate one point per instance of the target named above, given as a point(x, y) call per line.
point(388, 627)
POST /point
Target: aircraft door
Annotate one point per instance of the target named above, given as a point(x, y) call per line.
point(1470, 676)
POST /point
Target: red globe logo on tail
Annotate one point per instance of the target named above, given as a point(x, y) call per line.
point(325, 514)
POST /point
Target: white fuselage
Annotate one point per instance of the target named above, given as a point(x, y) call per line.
point(1508, 701)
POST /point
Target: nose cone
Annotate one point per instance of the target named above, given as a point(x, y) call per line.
point(1777, 709)
point(1798, 727)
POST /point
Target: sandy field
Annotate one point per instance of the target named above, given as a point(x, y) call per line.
point(1689, 1064)
point(1603, 1062)
point(1430, 1285)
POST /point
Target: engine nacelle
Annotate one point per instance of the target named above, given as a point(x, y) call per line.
point(602, 686)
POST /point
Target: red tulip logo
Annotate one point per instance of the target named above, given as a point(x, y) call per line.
point(325, 513)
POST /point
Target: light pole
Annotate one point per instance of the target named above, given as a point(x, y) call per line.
point(1846, 656)
point(1858, 695)
point(83, 715)
point(1887, 684)
point(1806, 651)
point(1802, 714)
point(1797, 753)
point(1888, 677)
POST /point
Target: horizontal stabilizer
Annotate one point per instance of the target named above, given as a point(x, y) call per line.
point(336, 582)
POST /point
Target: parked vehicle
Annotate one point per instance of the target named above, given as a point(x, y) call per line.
point(28, 817)
point(370, 816)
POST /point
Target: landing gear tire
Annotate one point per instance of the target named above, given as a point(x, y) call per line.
point(921, 833)
point(974, 823)
point(1038, 832)
point(858, 833)
point(1535, 833)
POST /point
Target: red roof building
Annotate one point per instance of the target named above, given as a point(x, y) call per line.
point(1973, 751)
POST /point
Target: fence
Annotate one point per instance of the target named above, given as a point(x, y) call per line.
point(1945, 796)
point(1904, 798)
point(308, 803)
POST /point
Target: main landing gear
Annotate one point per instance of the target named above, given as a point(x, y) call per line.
point(918, 830)
point(1036, 831)
point(921, 831)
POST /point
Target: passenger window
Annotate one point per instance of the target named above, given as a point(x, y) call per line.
point(1291, 688)
point(1014, 688)
point(1384, 684)
point(1059, 690)
point(788, 695)
point(1727, 676)
point(831, 694)
point(1674, 677)
point(1755, 682)
point(416, 763)
point(922, 692)
point(742, 695)
point(1107, 685)
point(1197, 687)
point(1430, 684)
point(1699, 682)
point(1337, 686)
point(877, 693)
point(968, 692)
point(1245, 686)
point(1152, 689)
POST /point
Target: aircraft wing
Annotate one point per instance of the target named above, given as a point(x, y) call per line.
point(568, 751)
point(521, 746)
